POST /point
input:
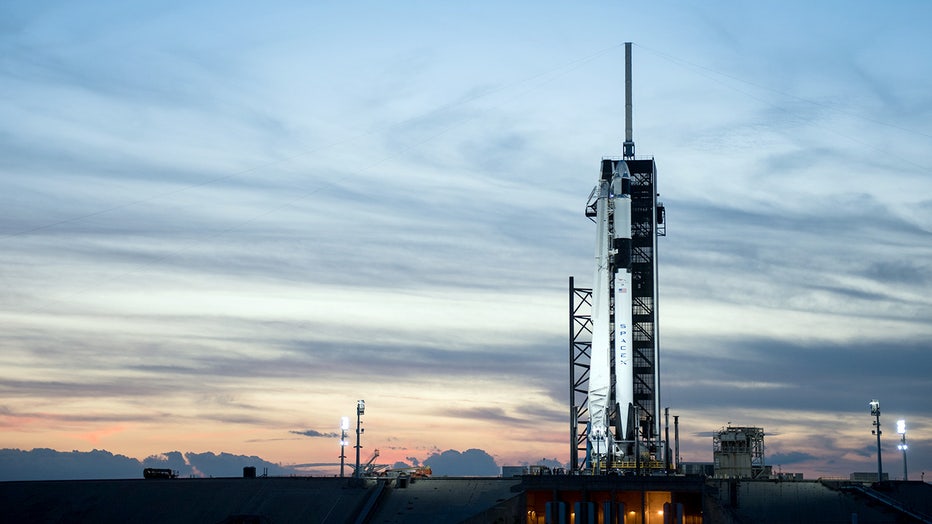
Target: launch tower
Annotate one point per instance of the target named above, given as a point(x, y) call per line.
point(614, 346)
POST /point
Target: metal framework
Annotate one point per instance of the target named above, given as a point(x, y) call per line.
point(580, 300)
point(647, 224)
point(645, 217)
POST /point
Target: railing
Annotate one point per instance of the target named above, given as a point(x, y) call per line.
point(890, 502)
point(633, 465)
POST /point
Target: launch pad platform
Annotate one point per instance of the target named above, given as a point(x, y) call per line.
point(530, 499)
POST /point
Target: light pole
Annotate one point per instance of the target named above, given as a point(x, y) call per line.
point(875, 412)
point(344, 425)
point(360, 410)
point(901, 429)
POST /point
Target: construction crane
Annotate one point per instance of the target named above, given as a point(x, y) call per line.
point(414, 472)
point(369, 469)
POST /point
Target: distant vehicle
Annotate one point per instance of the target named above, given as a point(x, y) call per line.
point(159, 473)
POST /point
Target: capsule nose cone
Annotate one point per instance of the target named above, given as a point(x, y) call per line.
point(621, 181)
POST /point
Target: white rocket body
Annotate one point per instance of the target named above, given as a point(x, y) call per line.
point(624, 365)
point(601, 352)
point(611, 337)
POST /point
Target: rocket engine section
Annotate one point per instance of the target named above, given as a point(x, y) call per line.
point(611, 372)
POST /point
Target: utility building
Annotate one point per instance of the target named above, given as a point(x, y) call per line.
point(738, 453)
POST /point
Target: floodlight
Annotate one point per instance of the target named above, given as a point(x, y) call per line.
point(901, 429)
point(875, 407)
point(361, 407)
point(344, 425)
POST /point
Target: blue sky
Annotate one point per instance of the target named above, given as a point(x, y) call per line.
point(225, 222)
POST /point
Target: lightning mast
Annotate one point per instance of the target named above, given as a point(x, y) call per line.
point(614, 350)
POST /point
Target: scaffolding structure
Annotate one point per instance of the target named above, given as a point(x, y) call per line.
point(580, 300)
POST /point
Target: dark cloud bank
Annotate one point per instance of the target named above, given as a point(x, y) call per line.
point(49, 464)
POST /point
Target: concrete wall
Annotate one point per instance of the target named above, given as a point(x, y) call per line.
point(449, 500)
point(180, 501)
point(784, 502)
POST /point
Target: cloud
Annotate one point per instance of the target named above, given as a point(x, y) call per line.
point(909, 272)
point(469, 463)
point(523, 415)
point(315, 433)
point(48, 464)
point(483, 413)
point(230, 465)
point(796, 374)
point(793, 457)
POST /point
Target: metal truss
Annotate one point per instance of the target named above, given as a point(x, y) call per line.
point(580, 300)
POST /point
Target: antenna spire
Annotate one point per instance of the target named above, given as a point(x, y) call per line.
point(629, 141)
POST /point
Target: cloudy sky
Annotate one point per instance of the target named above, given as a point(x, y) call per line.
point(225, 222)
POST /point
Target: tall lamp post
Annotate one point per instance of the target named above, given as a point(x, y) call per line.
point(901, 429)
point(344, 425)
point(360, 411)
point(875, 412)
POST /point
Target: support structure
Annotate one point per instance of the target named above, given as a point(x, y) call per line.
point(580, 300)
point(360, 411)
point(647, 224)
point(875, 412)
point(901, 429)
point(676, 440)
point(344, 425)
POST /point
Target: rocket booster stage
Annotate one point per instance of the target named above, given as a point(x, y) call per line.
point(611, 315)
